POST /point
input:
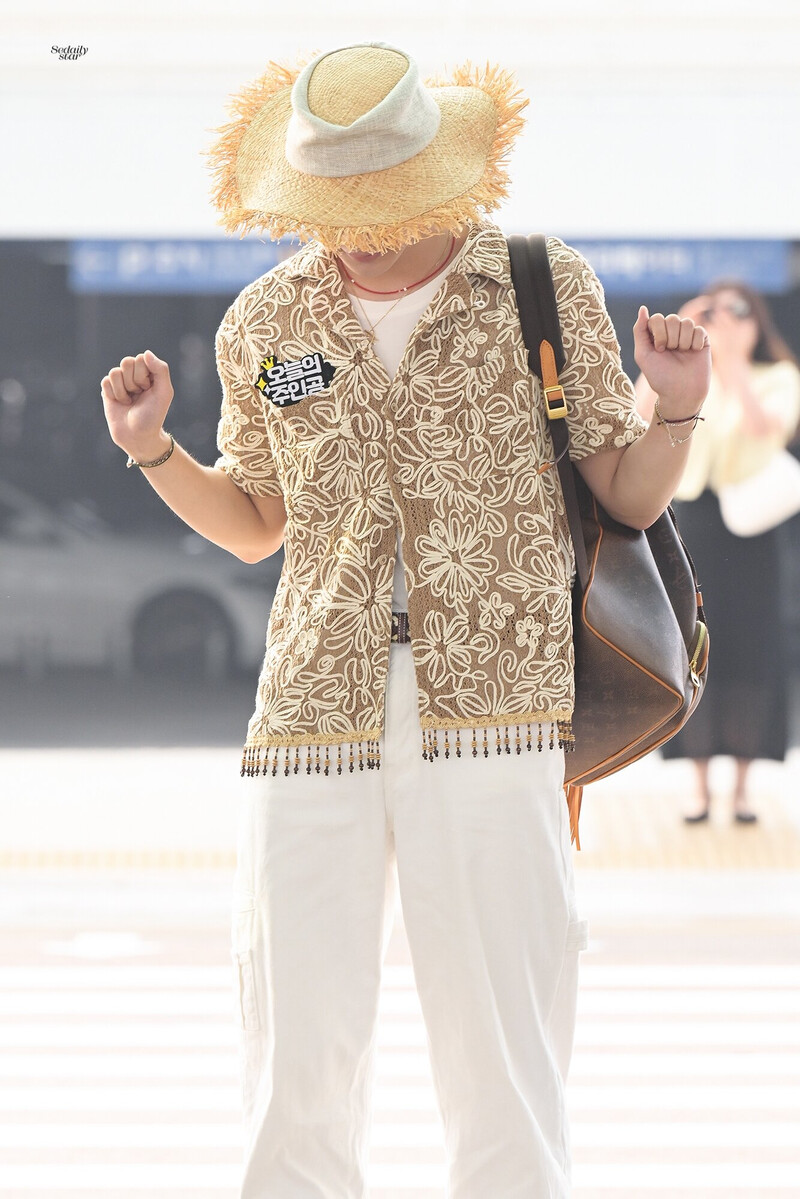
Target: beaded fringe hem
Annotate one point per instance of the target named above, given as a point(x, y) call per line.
point(560, 733)
point(334, 759)
point(326, 759)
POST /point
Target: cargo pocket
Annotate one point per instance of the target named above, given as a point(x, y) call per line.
point(577, 935)
point(565, 1005)
point(244, 911)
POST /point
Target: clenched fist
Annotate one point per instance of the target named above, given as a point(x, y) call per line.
point(673, 354)
point(136, 398)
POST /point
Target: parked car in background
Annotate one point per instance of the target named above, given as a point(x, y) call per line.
point(73, 592)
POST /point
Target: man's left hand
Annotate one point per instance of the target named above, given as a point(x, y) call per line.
point(674, 355)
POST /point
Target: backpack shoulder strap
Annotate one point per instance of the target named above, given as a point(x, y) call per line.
point(541, 331)
point(536, 299)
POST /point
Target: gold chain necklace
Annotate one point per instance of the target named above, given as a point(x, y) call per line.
point(371, 332)
point(440, 265)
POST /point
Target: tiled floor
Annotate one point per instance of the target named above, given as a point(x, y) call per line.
point(634, 819)
point(118, 1063)
point(142, 809)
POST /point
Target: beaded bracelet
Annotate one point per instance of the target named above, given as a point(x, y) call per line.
point(158, 461)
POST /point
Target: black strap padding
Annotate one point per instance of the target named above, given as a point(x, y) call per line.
point(538, 315)
point(536, 298)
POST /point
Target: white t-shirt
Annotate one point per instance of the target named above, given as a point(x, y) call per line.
point(391, 339)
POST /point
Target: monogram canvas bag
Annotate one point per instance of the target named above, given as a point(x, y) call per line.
point(639, 629)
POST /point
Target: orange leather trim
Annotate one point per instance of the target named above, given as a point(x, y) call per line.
point(548, 361)
point(649, 748)
point(574, 797)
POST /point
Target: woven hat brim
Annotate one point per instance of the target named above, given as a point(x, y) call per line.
point(461, 174)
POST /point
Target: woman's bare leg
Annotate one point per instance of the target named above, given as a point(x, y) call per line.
point(702, 803)
point(741, 810)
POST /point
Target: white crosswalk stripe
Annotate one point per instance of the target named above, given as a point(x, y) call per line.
point(685, 1079)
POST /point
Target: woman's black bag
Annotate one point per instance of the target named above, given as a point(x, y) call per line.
point(639, 629)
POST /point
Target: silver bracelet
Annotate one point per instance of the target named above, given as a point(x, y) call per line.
point(157, 461)
point(673, 441)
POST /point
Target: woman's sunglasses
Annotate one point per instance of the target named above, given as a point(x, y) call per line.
point(737, 308)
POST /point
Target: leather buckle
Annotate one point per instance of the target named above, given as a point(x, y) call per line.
point(555, 402)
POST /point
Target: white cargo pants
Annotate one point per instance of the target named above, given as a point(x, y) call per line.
point(481, 852)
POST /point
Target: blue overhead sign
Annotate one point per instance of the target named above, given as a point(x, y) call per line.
point(626, 266)
point(171, 264)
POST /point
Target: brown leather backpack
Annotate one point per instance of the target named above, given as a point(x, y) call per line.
point(639, 629)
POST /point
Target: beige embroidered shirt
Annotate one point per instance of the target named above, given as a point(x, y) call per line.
point(448, 452)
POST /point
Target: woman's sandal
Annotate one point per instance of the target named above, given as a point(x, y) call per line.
point(743, 815)
point(697, 817)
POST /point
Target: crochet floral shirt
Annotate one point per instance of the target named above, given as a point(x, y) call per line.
point(448, 452)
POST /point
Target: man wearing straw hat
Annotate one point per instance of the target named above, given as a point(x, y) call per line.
point(379, 420)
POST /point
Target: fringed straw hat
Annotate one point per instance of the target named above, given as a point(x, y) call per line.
point(353, 150)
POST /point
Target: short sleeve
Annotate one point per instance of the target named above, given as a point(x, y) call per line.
point(242, 436)
point(601, 402)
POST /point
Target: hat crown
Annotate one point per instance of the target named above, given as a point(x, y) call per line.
point(346, 84)
point(416, 158)
point(385, 113)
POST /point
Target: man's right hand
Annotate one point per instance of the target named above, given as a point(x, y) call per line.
point(136, 398)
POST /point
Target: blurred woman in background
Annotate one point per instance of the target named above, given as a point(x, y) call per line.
point(752, 411)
